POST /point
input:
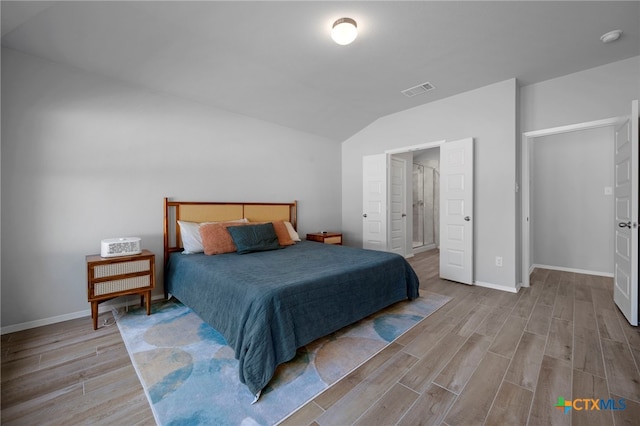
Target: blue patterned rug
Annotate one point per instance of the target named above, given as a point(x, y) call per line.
point(190, 375)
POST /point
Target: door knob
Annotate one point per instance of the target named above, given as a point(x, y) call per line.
point(364, 215)
point(625, 225)
point(404, 215)
point(467, 218)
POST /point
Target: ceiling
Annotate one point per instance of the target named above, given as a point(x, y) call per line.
point(275, 61)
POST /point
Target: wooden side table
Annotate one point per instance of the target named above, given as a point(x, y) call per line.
point(110, 277)
point(326, 237)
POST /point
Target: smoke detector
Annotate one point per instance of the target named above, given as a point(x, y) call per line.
point(611, 36)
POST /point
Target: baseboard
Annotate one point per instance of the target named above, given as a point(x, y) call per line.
point(574, 270)
point(498, 287)
point(66, 317)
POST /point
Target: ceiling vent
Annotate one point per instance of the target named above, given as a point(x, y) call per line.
point(416, 90)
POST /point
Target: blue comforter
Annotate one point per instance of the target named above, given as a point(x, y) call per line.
point(268, 304)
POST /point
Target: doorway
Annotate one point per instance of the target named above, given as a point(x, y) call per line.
point(528, 220)
point(426, 199)
point(456, 228)
point(625, 192)
point(375, 198)
point(572, 177)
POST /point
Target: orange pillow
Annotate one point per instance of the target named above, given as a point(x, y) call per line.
point(216, 239)
point(284, 238)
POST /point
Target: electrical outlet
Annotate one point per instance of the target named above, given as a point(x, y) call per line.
point(498, 261)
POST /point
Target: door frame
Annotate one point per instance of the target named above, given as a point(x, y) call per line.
point(525, 179)
point(418, 147)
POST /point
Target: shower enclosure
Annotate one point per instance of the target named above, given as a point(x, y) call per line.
point(426, 184)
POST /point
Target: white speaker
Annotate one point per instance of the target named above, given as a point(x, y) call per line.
point(126, 246)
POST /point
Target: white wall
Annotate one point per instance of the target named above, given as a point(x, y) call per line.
point(571, 216)
point(86, 158)
point(488, 115)
point(593, 94)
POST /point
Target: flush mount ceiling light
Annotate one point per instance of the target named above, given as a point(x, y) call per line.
point(344, 31)
point(611, 36)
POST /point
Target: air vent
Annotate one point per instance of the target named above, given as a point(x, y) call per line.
point(416, 90)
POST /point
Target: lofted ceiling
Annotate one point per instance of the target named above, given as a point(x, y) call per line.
point(275, 61)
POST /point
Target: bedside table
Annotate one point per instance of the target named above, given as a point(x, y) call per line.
point(110, 277)
point(326, 237)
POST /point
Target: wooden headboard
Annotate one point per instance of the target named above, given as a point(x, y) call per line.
point(204, 211)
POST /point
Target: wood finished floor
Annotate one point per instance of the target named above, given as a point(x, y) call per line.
point(494, 358)
point(487, 357)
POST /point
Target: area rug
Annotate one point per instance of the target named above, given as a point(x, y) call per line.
point(190, 375)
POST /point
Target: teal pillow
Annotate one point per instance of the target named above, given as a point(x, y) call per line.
point(250, 238)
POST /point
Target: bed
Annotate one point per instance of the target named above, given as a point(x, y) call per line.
point(269, 303)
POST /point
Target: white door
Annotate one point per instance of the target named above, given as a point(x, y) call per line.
point(397, 208)
point(456, 211)
point(625, 289)
point(374, 202)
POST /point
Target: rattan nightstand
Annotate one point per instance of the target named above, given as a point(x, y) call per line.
point(110, 277)
point(326, 237)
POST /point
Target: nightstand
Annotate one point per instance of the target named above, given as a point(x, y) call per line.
point(326, 237)
point(110, 277)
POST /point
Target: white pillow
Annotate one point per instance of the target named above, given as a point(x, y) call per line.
point(292, 232)
point(190, 234)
